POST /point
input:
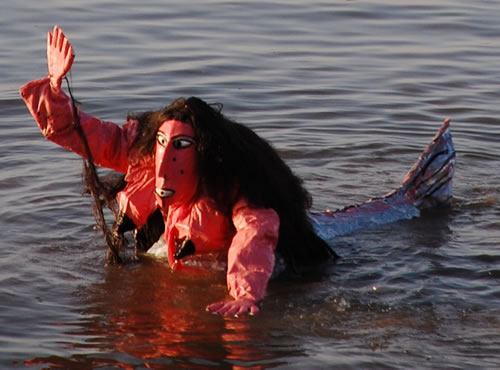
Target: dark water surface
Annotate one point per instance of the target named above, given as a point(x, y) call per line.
point(349, 92)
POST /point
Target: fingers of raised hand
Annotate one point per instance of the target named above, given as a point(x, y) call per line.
point(60, 55)
point(65, 45)
point(57, 37)
point(57, 40)
point(49, 41)
point(69, 56)
point(52, 38)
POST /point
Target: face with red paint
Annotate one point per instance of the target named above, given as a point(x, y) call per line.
point(176, 169)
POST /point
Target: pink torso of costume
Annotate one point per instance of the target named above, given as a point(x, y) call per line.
point(208, 229)
point(249, 236)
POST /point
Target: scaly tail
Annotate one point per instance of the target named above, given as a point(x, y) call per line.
point(427, 184)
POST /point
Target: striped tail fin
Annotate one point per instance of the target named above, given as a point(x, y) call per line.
point(429, 181)
point(427, 184)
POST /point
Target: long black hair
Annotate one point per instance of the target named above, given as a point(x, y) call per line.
point(235, 162)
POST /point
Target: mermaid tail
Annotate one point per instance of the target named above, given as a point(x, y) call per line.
point(427, 184)
point(429, 181)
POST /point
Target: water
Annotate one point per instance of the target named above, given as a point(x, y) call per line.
point(349, 92)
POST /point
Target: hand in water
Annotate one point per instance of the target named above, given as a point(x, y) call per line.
point(59, 56)
point(235, 307)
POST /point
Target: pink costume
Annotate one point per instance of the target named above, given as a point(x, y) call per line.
point(249, 237)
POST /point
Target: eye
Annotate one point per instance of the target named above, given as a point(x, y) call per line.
point(162, 140)
point(182, 142)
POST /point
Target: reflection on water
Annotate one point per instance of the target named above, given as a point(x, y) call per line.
point(147, 315)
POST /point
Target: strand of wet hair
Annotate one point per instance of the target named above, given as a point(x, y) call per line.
point(96, 189)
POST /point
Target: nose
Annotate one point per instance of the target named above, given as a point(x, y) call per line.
point(166, 162)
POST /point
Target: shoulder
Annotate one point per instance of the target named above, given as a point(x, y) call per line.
point(131, 130)
point(245, 213)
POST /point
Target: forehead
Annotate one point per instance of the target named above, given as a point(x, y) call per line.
point(171, 128)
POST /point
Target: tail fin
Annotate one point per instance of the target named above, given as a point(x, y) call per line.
point(429, 181)
point(427, 184)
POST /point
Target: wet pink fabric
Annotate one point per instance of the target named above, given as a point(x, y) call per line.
point(249, 237)
point(251, 256)
point(109, 143)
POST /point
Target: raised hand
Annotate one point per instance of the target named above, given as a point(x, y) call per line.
point(59, 56)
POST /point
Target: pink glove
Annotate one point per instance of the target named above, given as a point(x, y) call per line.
point(59, 57)
point(234, 307)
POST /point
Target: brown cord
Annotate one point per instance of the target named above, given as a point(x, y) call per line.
point(114, 240)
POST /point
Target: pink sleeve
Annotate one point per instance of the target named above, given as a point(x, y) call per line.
point(251, 254)
point(53, 112)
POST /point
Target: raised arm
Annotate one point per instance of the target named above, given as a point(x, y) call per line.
point(52, 109)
